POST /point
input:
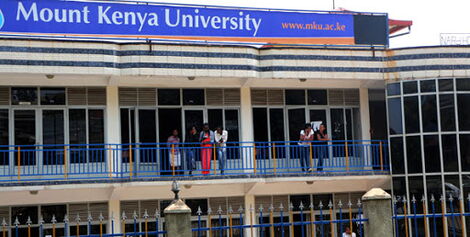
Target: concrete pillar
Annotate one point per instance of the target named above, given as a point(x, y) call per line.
point(365, 113)
point(246, 122)
point(178, 219)
point(378, 210)
point(114, 213)
point(250, 215)
point(113, 127)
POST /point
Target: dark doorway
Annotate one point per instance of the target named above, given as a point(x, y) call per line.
point(168, 119)
point(193, 118)
point(147, 135)
point(25, 134)
point(53, 134)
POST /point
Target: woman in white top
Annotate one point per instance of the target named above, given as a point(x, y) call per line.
point(221, 137)
point(306, 137)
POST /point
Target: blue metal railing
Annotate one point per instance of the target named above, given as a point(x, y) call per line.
point(430, 217)
point(312, 220)
point(153, 160)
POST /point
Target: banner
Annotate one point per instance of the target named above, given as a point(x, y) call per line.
point(131, 20)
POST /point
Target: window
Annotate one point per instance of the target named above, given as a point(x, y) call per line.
point(463, 84)
point(411, 114)
point(429, 113)
point(410, 87)
point(394, 116)
point(413, 154)
point(449, 153)
point(22, 213)
point(434, 188)
point(193, 97)
point(397, 155)
point(4, 128)
point(48, 211)
point(393, 89)
point(231, 124)
point(24, 96)
point(416, 189)
point(446, 84)
point(77, 134)
point(276, 121)
point(428, 86)
point(432, 156)
point(447, 110)
point(295, 97)
point(463, 105)
point(297, 199)
point(260, 122)
point(96, 126)
point(465, 152)
point(317, 97)
point(52, 96)
point(399, 186)
point(169, 96)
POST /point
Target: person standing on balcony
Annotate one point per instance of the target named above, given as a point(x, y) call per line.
point(206, 138)
point(306, 138)
point(174, 151)
point(221, 137)
point(191, 141)
point(322, 146)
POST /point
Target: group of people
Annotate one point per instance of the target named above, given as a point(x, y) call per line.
point(206, 140)
point(320, 148)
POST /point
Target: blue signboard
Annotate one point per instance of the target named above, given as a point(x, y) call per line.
point(101, 19)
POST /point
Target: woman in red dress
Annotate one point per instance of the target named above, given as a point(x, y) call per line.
point(207, 140)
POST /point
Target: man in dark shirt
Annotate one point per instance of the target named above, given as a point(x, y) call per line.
point(191, 141)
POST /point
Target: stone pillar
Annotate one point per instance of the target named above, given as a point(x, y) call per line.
point(114, 211)
point(378, 210)
point(177, 216)
point(113, 128)
point(246, 115)
point(250, 215)
point(365, 113)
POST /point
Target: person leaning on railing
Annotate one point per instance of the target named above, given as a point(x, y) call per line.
point(206, 138)
point(221, 137)
point(322, 145)
point(191, 140)
point(306, 137)
point(174, 151)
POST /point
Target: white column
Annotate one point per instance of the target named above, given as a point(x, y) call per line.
point(113, 127)
point(246, 112)
point(250, 215)
point(114, 214)
point(365, 115)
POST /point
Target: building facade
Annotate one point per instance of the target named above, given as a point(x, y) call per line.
point(84, 125)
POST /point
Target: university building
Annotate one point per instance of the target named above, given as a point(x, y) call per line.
point(84, 126)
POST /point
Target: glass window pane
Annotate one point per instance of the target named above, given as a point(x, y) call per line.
point(215, 118)
point(96, 126)
point(295, 97)
point(410, 87)
point(416, 186)
point(193, 97)
point(428, 85)
point(24, 96)
point(48, 211)
point(393, 89)
point(231, 124)
point(463, 105)
point(317, 97)
point(52, 96)
point(53, 126)
point(452, 188)
point(22, 213)
point(260, 122)
point(411, 111)
point(296, 123)
point(446, 84)
point(394, 116)
point(4, 131)
point(413, 154)
point(25, 134)
point(449, 153)
point(447, 110)
point(77, 126)
point(276, 121)
point(429, 113)
point(147, 126)
point(432, 156)
point(463, 84)
point(399, 190)
point(465, 152)
point(434, 188)
point(168, 96)
point(397, 155)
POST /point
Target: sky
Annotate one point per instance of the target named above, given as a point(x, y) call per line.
point(430, 18)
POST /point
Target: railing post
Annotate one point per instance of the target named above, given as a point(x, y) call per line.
point(311, 156)
point(172, 153)
point(19, 162)
point(381, 156)
point(131, 165)
point(346, 152)
point(110, 162)
point(378, 212)
point(65, 163)
point(274, 157)
point(214, 158)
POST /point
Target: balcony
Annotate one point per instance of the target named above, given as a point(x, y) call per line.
point(69, 163)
